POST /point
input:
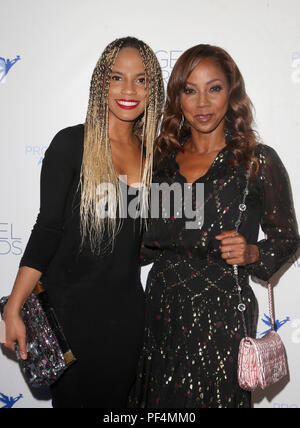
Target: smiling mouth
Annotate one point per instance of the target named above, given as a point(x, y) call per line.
point(127, 104)
point(203, 118)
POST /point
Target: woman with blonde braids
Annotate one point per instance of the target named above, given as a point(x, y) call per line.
point(85, 245)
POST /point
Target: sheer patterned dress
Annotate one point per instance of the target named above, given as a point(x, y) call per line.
point(193, 327)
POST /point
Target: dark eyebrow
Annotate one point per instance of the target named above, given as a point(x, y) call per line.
point(190, 83)
point(121, 74)
point(214, 80)
point(208, 83)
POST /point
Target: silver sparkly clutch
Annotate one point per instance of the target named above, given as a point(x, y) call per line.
point(48, 352)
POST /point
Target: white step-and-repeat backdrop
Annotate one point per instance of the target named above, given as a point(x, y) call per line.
point(48, 49)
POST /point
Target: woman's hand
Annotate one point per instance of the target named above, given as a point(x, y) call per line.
point(15, 331)
point(235, 250)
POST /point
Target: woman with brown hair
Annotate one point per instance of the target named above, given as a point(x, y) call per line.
point(83, 245)
point(195, 312)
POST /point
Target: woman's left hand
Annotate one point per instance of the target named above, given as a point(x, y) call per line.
point(235, 250)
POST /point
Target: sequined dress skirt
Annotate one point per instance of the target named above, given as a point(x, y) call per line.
point(192, 335)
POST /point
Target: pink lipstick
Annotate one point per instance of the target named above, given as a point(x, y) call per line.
point(203, 118)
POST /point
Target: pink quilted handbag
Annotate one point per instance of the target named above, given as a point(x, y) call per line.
point(262, 362)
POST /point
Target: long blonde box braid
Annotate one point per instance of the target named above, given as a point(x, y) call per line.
point(97, 165)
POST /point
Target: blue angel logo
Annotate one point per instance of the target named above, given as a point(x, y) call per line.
point(278, 324)
point(9, 402)
point(6, 65)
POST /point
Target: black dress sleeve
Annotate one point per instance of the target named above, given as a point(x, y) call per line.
point(58, 170)
point(278, 220)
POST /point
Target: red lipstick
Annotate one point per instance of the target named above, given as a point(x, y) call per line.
point(127, 104)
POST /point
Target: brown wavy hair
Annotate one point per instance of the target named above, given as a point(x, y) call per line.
point(238, 120)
